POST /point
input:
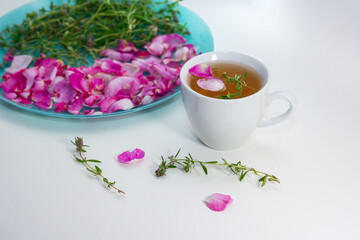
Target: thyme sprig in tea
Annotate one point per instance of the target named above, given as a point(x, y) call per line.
point(96, 170)
point(79, 30)
point(240, 82)
point(188, 163)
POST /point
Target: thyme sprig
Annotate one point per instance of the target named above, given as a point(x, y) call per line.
point(240, 82)
point(97, 171)
point(188, 163)
point(77, 31)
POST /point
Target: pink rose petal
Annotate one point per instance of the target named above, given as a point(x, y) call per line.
point(201, 70)
point(138, 153)
point(122, 104)
point(218, 202)
point(19, 63)
point(128, 156)
point(211, 84)
point(75, 106)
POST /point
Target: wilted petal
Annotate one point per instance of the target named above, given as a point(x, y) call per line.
point(14, 82)
point(76, 80)
point(146, 100)
point(75, 106)
point(92, 112)
point(19, 63)
point(218, 202)
point(211, 84)
point(8, 57)
point(60, 107)
point(93, 100)
point(42, 99)
point(185, 53)
point(120, 83)
point(201, 70)
point(30, 75)
point(106, 104)
point(131, 69)
point(96, 85)
point(125, 46)
point(64, 92)
point(174, 39)
point(156, 48)
point(116, 55)
point(10, 96)
point(122, 104)
point(109, 66)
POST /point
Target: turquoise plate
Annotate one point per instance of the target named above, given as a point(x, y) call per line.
point(200, 36)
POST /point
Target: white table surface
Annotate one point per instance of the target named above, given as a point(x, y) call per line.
point(312, 49)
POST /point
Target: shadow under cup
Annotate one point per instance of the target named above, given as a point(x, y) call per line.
point(224, 124)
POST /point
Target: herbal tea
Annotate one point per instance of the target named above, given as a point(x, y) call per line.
point(224, 80)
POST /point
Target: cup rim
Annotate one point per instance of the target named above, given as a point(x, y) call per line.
point(185, 85)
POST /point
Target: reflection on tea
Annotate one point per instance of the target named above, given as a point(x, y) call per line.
point(224, 80)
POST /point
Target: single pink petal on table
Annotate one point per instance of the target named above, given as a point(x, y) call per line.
point(138, 153)
point(218, 202)
point(211, 84)
point(201, 70)
point(128, 156)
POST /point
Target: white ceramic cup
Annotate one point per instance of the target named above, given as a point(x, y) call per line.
point(225, 124)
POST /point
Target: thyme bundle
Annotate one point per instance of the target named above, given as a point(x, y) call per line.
point(77, 31)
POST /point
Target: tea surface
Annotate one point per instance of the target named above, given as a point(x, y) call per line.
point(253, 81)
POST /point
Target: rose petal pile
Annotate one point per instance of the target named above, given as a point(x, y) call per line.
point(126, 77)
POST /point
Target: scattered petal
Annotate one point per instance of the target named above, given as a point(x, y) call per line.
point(138, 153)
point(128, 156)
point(218, 202)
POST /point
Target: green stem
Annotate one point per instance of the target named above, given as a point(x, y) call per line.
point(93, 169)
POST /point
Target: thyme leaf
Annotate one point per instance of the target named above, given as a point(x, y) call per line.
point(240, 82)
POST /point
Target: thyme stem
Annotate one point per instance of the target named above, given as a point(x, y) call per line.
point(188, 163)
point(95, 170)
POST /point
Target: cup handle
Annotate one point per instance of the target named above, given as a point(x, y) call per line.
point(282, 117)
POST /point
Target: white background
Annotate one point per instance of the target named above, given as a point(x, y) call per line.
point(312, 49)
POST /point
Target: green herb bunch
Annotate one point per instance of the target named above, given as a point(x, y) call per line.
point(188, 163)
point(97, 171)
point(79, 30)
point(240, 82)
